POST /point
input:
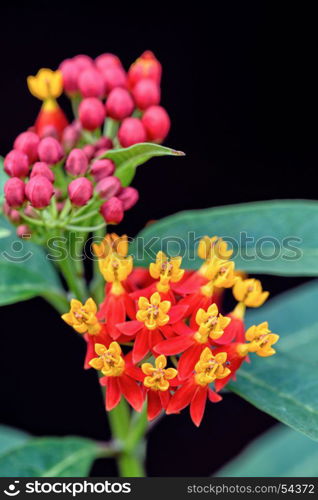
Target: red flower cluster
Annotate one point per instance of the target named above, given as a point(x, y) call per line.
point(59, 166)
point(169, 315)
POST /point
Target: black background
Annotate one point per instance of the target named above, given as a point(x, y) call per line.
point(240, 86)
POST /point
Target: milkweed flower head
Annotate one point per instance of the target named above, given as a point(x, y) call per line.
point(159, 337)
point(109, 103)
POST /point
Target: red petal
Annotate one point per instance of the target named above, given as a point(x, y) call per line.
point(154, 404)
point(130, 328)
point(182, 328)
point(132, 391)
point(192, 284)
point(143, 292)
point(167, 331)
point(235, 330)
point(164, 398)
point(213, 396)
point(115, 312)
point(141, 345)
point(130, 307)
point(139, 278)
point(175, 345)
point(177, 313)
point(90, 351)
point(182, 397)
point(197, 406)
point(132, 370)
point(113, 393)
point(188, 360)
point(155, 337)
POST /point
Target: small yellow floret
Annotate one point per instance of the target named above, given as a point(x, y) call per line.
point(112, 243)
point(261, 340)
point(210, 368)
point(250, 292)
point(46, 84)
point(153, 313)
point(158, 376)
point(82, 317)
point(110, 361)
point(215, 246)
point(166, 270)
point(211, 324)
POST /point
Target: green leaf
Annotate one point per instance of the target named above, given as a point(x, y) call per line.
point(272, 237)
point(49, 457)
point(280, 452)
point(128, 159)
point(25, 270)
point(11, 438)
point(286, 384)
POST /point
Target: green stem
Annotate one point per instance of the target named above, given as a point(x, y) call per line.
point(110, 128)
point(75, 284)
point(123, 427)
point(75, 102)
point(58, 301)
point(97, 286)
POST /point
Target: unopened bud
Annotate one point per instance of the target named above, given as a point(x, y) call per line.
point(91, 83)
point(106, 61)
point(102, 168)
point(114, 76)
point(50, 150)
point(70, 71)
point(104, 142)
point(112, 211)
point(16, 164)
point(91, 113)
point(28, 142)
point(146, 66)
point(80, 191)
point(23, 231)
point(131, 132)
point(77, 162)
point(71, 135)
point(89, 150)
point(157, 123)
point(83, 62)
point(39, 191)
point(14, 192)
point(129, 197)
point(108, 187)
point(42, 168)
point(146, 93)
point(119, 104)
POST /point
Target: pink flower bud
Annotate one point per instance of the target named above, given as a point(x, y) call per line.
point(131, 132)
point(83, 62)
point(16, 164)
point(80, 191)
point(39, 191)
point(89, 150)
point(119, 104)
point(41, 168)
point(129, 197)
point(106, 61)
point(14, 192)
point(71, 135)
point(28, 142)
point(157, 123)
point(50, 150)
point(77, 162)
point(99, 152)
point(102, 168)
point(23, 231)
point(31, 212)
point(104, 142)
point(108, 187)
point(146, 66)
point(70, 71)
point(146, 93)
point(112, 211)
point(11, 213)
point(91, 113)
point(114, 76)
point(91, 83)
point(49, 131)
